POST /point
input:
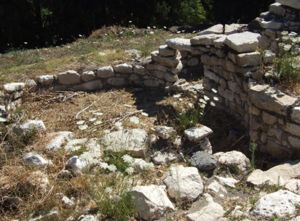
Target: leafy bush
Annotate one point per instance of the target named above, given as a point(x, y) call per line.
point(287, 63)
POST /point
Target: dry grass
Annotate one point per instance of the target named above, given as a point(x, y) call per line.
point(292, 88)
point(105, 46)
point(59, 115)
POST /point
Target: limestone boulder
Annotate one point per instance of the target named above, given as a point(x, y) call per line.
point(211, 212)
point(69, 77)
point(204, 161)
point(105, 72)
point(13, 87)
point(183, 183)
point(134, 141)
point(235, 160)
point(278, 175)
point(151, 202)
point(57, 139)
point(34, 159)
point(278, 204)
point(196, 134)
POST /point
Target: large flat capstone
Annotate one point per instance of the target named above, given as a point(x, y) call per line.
point(243, 42)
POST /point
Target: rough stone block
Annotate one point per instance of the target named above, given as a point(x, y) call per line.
point(293, 129)
point(123, 68)
point(166, 51)
point(243, 42)
point(249, 59)
point(105, 72)
point(117, 81)
point(45, 80)
point(295, 116)
point(207, 39)
point(89, 86)
point(88, 76)
point(268, 118)
point(170, 62)
point(69, 77)
point(180, 44)
point(266, 98)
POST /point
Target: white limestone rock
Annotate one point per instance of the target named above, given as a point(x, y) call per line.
point(196, 134)
point(233, 159)
point(184, 183)
point(140, 165)
point(211, 212)
point(165, 132)
point(216, 188)
point(207, 39)
point(266, 98)
point(30, 126)
point(123, 68)
point(45, 80)
point(291, 3)
point(58, 139)
point(75, 164)
point(69, 77)
point(216, 29)
point(88, 217)
point(163, 158)
point(151, 202)
point(34, 159)
point(280, 204)
point(293, 185)
point(243, 42)
point(227, 181)
point(88, 76)
point(90, 153)
point(180, 44)
point(278, 175)
point(13, 87)
point(105, 72)
point(134, 120)
point(296, 114)
point(134, 141)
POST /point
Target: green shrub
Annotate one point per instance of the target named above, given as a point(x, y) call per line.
point(116, 159)
point(189, 119)
point(287, 63)
point(286, 69)
point(115, 204)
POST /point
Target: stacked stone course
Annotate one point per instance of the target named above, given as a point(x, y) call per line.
point(230, 60)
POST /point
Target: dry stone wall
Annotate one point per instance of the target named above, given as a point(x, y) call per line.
point(229, 58)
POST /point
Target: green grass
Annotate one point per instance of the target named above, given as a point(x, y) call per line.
point(103, 47)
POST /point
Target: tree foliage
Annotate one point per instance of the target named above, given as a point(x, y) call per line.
point(36, 23)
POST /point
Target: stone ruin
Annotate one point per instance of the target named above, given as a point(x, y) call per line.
point(229, 58)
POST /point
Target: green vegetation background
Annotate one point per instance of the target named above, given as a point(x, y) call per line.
point(39, 23)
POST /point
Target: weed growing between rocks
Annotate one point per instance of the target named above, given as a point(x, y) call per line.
point(188, 119)
point(111, 197)
point(286, 65)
